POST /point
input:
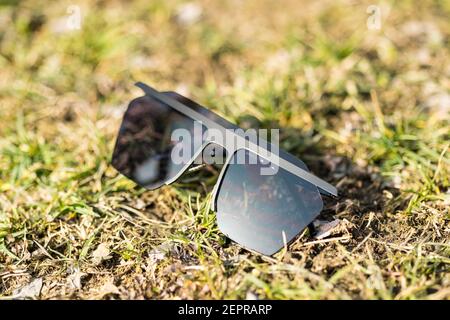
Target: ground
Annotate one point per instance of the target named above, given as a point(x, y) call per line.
point(360, 91)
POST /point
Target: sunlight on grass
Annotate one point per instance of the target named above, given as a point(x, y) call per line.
point(367, 110)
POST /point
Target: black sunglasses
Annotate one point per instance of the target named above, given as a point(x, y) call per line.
point(261, 210)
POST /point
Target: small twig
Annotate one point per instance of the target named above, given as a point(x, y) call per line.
point(201, 268)
point(326, 240)
point(10, 297)
point(362, 242)
point(394, 246)
point(44, 250)
point(371, 215)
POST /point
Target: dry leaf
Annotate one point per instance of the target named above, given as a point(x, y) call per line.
point(101, 253)
point(31, 290)
point(74, 279)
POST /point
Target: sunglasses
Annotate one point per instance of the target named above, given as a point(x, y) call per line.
point(264, 197)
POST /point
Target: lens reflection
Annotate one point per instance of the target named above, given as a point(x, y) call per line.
point(144, 147)
point(262, 212)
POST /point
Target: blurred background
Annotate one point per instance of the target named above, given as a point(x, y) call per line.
point(360, 90)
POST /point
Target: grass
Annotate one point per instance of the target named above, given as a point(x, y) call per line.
point(367, 110)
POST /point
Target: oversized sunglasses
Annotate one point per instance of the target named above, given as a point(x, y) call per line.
point(262, 210)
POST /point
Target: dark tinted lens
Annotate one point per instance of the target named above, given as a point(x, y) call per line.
point(262, 212)
point(144, 147)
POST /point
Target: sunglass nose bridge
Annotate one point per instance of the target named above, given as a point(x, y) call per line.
point(211, 154)
point(214, 153)
point(217, 151)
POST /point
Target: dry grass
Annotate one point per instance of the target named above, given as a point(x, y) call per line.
point(367, 110)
